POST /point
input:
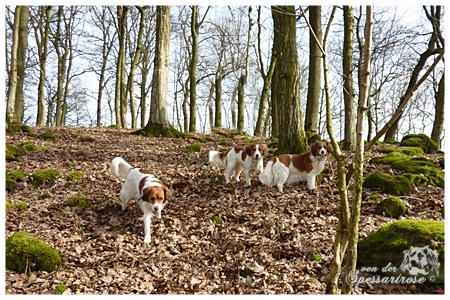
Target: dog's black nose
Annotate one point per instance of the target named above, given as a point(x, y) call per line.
point(156, 208)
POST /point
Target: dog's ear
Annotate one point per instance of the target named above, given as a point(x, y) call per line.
point(145, 195)
point(312, 147)
point(167, 194)
point(264, 149)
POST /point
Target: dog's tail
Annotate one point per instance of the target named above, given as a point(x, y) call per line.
point(119, 167)
point(266, 176)
point(216, 158)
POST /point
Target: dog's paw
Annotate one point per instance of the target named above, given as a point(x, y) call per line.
point(147, 240)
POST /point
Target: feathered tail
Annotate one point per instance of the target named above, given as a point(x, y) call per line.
point(216, 159)
point(266, 176)
point(119, 167)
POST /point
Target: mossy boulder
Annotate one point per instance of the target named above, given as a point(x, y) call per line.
point(60, 289)
point(80, 201)
point(32, 147)
point(192, 148)
point(422, 167)
point(387, 245)
point(48, 135)
point(75, 176)
point(16, 175)
point(392, 207)
point(22, 206)
point(10, 185)
point(420, 140)
point(396, 185)
point(26, 253)
point(44, 176)
point(410, 151)
point(13, 153)
point(389, 159)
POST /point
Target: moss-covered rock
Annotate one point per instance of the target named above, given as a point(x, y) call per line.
point(387, 245)
point(60, 289)
point(13, 153)
point(48, 135)
point(420, 140)
point(10, 185)
point(75, 176)
point(44, 176)
point(423, 167)
point(410, 151)
point(16, 175)
point(80, 201)
point(32, 147)
point(26, 253)
point(396, 185)
point(392, 207)
point(389, 159)
point(192, 148)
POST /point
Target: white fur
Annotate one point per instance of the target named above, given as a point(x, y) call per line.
point(278, 174)
point(130, 190)
point(235, 165)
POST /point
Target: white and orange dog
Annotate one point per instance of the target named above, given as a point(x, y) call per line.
point(140, 185)
point(238, 159)
point(295, 168)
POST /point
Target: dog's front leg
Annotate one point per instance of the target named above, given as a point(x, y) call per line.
point(147, 223)
point(247, 177)
point(311, 181)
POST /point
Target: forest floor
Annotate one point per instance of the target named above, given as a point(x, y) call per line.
point(264, 246)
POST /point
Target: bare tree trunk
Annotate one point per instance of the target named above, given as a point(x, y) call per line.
point(13, 78)
point(315, 70)
point(218, 101)
point(347, 64)
point(353, 228)
point(439, 112)
point(211, 106)
point(233, 108)
point(286, 81)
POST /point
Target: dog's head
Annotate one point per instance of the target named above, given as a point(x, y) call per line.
point(420, 261)
point(157, 197)
point(320, 149)
point(256, 151)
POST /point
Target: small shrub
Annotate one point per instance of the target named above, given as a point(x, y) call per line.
point(60, 289)
point(396, 185)
point(75, 176)
point(392, 207)
point(24, 252)
point(80, 201)
point(193, 148)
point(44, 176)
point(16, 175)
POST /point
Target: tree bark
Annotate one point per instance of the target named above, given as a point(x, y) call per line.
point(315, 70)
point(347, 65)
point(286, 82)
point(193, 70)
point(438, 124)
point(218, 101)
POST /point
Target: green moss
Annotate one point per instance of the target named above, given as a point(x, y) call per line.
point(389, 159)
point(390, 141)
point(387, 244)
point(410, 151)
point(392, 207)
point(113, 127)
point(371, 198)
point(22, 206)
point(10, 185)
point(45, 196)
point(48, 135)
point(192, 148)
point(32, 147)
point(8, 205)
point(421, 166)
point(13, 153)
point(24, 253)
point(158, 130)
point(16, 175)
point(75, 175)
point(396, 185)
point(80, 201)
point(44, 176)
point(60, 289)
point(420, 140)
point(87, 139)
point(316, 257)
point(217, 220)
point(223, 142)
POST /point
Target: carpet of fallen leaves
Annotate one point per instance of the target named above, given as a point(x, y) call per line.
point(264, 245)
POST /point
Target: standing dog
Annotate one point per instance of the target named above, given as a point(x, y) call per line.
point(240, 159)
point(151, 194)
point(290, 169)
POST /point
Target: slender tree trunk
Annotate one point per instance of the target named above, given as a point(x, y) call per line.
point(353, 229)
point(347, 64)
point(218, 101)
point(286, 81)
point(233, 108)
point(315, 70)
point(13, 78)
point(193, 70)
point(211, 106)
point(438, 124)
